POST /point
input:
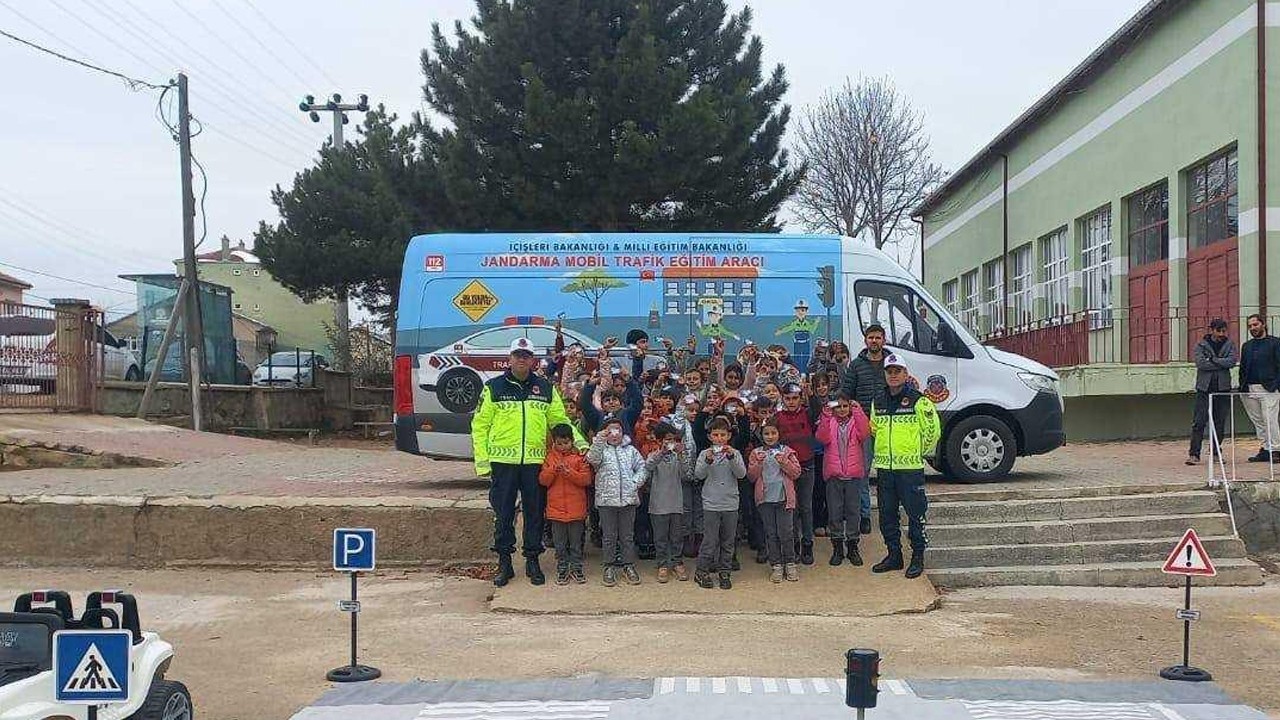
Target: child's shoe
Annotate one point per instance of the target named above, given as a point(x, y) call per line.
point(578, 576)
point(664, 575)
point(704, 580)
point(610, 576)
point(776, 575)
point(681, 573)
point(791, 572)
point(725, 582)
point(762, 556)
point(630, 575)
point(562, 576)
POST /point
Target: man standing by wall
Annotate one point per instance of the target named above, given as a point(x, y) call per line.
point(1215, 355)
point(1260, 378)
point(509, 437)
point(862, 381)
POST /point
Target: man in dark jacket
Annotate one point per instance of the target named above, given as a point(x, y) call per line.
point(862, 381)
point(1215, 355)
point(1260, 379)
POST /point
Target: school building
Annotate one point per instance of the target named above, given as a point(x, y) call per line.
point(1110, 222)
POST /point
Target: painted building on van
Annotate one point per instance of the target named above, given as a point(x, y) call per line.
point(1104, 229)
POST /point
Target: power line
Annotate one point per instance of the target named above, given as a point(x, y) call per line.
point(134, 83)
point(70, 231)
point(67, 279)
point(247, 30)
point(291, 43)
point(256, 67)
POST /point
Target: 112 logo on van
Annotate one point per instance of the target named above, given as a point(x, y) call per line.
point(435, 263)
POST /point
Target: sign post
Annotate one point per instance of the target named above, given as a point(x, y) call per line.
point(354, 552)
point(91, 667)
point(1187, 559)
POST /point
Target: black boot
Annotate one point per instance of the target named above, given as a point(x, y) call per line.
point(916, 568)
point(806, 552)
point(864, 526)
point(892, 561)
point(505, 571)
point(837, 552)
point(534, 571)
point(855, 557)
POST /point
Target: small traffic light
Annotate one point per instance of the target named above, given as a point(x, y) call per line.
point(827, 285)
point(862, 678)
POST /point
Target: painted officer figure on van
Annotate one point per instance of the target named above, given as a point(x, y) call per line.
point(801, 330)
point(509, 437)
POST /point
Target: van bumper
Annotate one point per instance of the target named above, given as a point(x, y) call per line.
point(1042, 424)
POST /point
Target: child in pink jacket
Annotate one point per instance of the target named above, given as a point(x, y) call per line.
point(842, 428)
point(773, 469)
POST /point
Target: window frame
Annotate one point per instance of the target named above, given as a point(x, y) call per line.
point(970, 300)
point(1231, 196)
point(1137, 233)
point(1095, 266)
point(1022, 284)
point(993, 294)
point(1055, 268)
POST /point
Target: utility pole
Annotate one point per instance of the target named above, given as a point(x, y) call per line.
point(193, 329)
point(341, 316)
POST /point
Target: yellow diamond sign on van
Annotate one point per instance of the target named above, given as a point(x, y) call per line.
point(475, 300)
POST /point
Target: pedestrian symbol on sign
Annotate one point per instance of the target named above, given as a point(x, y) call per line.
point(91, 667)
point(91, 674)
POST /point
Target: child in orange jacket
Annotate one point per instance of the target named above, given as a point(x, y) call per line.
point(566, 476)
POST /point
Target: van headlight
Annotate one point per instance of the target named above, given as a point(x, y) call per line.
point(1038, 382)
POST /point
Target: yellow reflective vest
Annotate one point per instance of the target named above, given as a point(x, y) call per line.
point(906, 429)
point(513, 421)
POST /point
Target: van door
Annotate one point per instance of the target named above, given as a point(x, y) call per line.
point(914, 331)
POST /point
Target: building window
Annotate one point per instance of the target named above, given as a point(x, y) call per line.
point(673, 307)
point(748, 307)
point(673, 287)
point(1095, 258)
point(709, 287)
point(726, 288)
point(951, 296)
point(748, 287)
point(1053, 248)
point(1022, 278)
point(970, 296)
point(690, 287)
point(690, 307)
point(1149, 225)
point(993, 294)
point(1213, 207)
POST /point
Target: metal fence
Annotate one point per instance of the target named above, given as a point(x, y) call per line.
point(50, 358)
point(1116, 336)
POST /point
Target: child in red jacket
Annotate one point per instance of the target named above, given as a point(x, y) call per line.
point(566, 476)
point(842, 428)
point(773, 470)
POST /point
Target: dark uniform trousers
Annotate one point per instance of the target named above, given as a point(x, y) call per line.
point(508, 481)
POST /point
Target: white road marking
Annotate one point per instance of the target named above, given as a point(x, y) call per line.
point(516, 710)
point(666, 686)
point(1168, 713)
point(770, 685)
point(895, 687)
point(1056, 710)
point(820, 685)
point(717, 685)
point(693, 685)
point(744, 685)
point(795, 687)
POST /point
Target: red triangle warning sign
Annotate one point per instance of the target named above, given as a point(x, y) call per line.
point(1189, 557)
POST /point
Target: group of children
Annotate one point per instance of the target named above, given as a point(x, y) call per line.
point(669, 455)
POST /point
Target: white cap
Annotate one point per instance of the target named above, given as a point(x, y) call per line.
point(893, 359)
point(522, 345)
point(801, 304)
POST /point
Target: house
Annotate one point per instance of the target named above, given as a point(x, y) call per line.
point(11, 289)
point(1110, 222)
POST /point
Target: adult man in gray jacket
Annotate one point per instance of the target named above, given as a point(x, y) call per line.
point(861, 382)
point(1215, 355)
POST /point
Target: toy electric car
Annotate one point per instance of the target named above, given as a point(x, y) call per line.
point(26, 658)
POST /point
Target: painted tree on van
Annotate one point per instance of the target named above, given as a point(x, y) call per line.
point(591, 285)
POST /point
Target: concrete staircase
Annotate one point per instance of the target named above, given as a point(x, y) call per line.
point(1116, 535)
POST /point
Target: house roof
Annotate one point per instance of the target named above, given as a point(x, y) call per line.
point(11, 281)
point(1095, 64)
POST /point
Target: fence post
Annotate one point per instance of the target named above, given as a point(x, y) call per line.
point(72, 350)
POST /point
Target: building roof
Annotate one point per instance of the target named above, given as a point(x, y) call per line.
point(1095, 64)
point(12, 281)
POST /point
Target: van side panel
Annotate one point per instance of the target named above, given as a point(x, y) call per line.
point(463, 298)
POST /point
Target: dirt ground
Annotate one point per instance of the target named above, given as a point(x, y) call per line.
point(256, 645)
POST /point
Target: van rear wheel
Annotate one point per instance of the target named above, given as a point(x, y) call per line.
point(980, 449)
point(459, 391)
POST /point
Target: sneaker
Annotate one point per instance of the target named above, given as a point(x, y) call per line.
point(578, 576)
point(610, 576)
point(1192, 460)
point(681, 573)
point(791, 572)
point(776, 575)
point(630, 575)
point(562, 576)
point(725, 582)
point(864, 528)
point(664, 575)
point(1262, 456)
point(704, 580)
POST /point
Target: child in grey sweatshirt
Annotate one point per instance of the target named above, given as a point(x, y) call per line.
point(720, 467)
point(669, 471)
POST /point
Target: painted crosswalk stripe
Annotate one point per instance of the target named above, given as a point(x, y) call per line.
point(744, 685)
point(795, 687)
point(666, 686)
point(1056, 710)
point(1167, 712)
point(896, 687)
point(717, 685)
point(770, 685)
point(820, 685)
point(693, 685)
point(517, 710)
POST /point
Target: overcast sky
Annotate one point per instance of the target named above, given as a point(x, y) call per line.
point(89, 185)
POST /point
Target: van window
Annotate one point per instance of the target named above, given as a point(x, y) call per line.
point(497, 338)
point(908, 320)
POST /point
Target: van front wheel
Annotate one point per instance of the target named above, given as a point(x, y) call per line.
point(980, 449)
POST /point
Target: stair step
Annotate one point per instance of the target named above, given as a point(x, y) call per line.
point(1097, 551)
point(1231, 571)
point(942, 494)
point(1214, 524)
point(1111, 506)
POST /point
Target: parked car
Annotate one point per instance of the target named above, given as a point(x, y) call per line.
point(29, 358)
point(289, 368)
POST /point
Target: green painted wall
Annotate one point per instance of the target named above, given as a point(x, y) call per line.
point(1139, 417)
point(297, 323)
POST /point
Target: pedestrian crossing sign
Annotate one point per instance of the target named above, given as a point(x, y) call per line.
point(91, 667)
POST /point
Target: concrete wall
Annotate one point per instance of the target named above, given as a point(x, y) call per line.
point(224, 406)
point(1097, 418)
point(1257, 508)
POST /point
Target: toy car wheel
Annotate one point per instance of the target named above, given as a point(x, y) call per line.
point(166, 700)
point(459, 391)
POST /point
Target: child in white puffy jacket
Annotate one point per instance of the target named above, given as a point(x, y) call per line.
point(620, 472)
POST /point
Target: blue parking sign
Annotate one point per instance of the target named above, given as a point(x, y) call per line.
point(91, 667)
point(353, 549)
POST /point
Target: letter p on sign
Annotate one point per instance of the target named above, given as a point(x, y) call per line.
point(353, 549)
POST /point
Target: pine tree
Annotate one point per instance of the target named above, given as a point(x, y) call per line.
point(609, 115)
